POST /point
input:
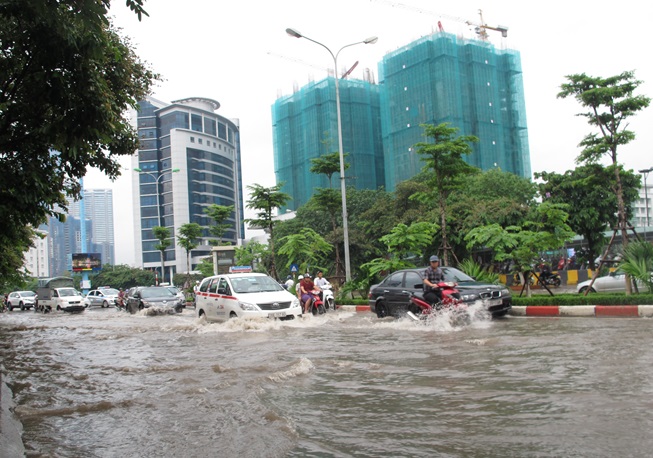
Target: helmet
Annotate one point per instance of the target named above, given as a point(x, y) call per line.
point(301, 277)
point(434, 259)
point(288, 277)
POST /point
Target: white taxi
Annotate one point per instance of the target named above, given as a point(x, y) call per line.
point(245, 295)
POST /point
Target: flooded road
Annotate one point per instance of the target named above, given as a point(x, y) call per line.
point(107, 384)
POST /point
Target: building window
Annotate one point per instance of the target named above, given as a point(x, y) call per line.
point(199, 140)
point(192, 139)
point(196, 122)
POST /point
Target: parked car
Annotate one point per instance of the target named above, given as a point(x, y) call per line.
point(393, 293)
point(104, 297)
point(23, 299)
point(178, 292)
point(614, 282)
point(143, 297)
point(245, 295)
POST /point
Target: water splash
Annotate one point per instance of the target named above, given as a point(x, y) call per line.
point(301, 367)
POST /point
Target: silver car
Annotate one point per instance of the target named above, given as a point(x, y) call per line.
point(144, 297)
point(614, 282)
point(22, 299)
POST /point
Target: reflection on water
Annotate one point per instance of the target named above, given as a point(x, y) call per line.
point(106, 384)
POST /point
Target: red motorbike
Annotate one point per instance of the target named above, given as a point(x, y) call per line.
point(451, 303)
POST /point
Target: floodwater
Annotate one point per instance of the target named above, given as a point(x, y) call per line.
point(108, 384)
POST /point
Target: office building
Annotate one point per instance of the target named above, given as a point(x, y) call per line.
point(37, 258)
point(98, 208)
point(305, 127)
point(188, 159)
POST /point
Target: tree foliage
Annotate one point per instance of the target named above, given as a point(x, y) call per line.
point(590, 193)
point(265, 201)
point(162, 234)
point(188, 236)
point(66, 79)
point(637, 261)
point(328, 164)
point(444, 158)
point(306, 248)
point(610, 102)
point(546, 229)
point(122, 276)
point(219, 214)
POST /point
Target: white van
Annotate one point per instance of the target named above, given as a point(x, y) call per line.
point(245, 295)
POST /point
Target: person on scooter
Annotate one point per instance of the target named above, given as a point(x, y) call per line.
point(306, 286)
point(432, 276)
point(321, 282)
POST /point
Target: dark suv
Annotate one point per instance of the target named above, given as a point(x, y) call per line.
point(391, 296)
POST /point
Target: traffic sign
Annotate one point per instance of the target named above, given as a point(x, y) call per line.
point(294, 268)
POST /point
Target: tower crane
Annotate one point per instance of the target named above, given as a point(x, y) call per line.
point(328, 70)
point(480, 28)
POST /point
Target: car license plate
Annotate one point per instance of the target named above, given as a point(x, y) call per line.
point(277, 314)
point(491, 302)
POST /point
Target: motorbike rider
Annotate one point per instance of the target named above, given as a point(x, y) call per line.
point(306, 285)
point(321, 283)
point(432, 276)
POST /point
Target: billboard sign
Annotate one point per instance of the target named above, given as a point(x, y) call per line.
point(86, 262)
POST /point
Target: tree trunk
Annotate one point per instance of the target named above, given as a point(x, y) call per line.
point(623, 223)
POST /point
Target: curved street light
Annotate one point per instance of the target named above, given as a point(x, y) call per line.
point(157, 177)
point(343, 187)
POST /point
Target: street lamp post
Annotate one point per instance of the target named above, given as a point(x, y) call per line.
point(343, 186)
point(157, 177)
point(645, 172)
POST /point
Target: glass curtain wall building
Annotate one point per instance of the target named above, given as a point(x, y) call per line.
point(205, 147)
point(468, 83)
point(305, 126)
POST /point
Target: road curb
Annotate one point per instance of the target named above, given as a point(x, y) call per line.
point(599, 311)
point(354, 308)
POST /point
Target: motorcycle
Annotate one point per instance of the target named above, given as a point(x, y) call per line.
point(327, 298)
point(451, 302)
point(549, 279)
point(317, 306)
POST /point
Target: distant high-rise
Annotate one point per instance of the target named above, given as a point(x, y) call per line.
point(305, 126)
point(467, 83)
point(186, 135)
point(436, 79)
point(98, 207)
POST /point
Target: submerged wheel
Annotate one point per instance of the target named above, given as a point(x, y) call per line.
point(584, 288)
point(381, 310)
point(105, 304)
point(330, 303)
point(557, 281)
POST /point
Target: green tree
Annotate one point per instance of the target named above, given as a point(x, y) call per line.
point(122, 276)
point(546, 229)
point(402, 243)
point(83, 75)
point(610, 103)
point(253, 254)
point(219, 214)
point(265, 201)
point(306, 248)
point(188, 236)
point(590, 193)
point(444, 158)
point(637, 261)
point(162, 234)
point(492, 196)
point(328, 164)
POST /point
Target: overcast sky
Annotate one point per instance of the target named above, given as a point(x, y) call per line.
point(239, 54)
